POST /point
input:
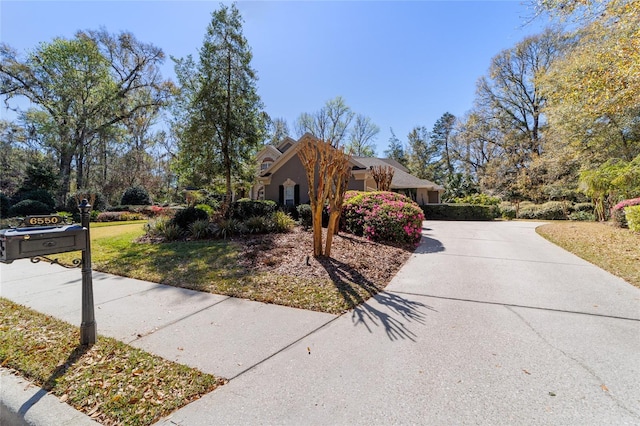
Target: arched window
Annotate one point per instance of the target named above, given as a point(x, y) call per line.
point(268, 161)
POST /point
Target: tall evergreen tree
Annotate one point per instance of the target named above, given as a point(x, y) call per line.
point(396, 150)
point(441, 136)
point(423, 156)
point(224, 123)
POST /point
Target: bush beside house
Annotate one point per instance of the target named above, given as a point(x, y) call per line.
point(382, 216)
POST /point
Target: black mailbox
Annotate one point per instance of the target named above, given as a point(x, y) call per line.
point(21, 243)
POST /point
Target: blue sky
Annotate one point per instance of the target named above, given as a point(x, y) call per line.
point(401, 63)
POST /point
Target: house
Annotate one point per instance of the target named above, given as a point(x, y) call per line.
point(282, 177)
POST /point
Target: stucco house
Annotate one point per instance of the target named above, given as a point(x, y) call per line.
point(282, 177)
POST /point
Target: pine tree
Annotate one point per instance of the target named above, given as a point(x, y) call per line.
point(224, 120)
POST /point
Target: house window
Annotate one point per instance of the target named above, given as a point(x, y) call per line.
point(261, 193)
point(289, 199)
point(289, 193)
point(266, 163)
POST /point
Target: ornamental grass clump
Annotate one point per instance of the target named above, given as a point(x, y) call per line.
point(383, 216)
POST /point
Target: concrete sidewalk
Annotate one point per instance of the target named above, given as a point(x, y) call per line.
point(487, 323)
point(219, 335)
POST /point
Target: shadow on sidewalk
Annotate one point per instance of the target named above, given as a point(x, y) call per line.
point(74, 356)
point(346, 278)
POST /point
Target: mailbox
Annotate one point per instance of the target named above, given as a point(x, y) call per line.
point(21, 243)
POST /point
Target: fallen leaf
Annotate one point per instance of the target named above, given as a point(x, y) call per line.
point(93, 410)
point(526, 372)
point(552, 394)
point(64, 397)
point(604, 388)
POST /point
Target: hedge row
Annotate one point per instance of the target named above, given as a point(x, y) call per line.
point(460, 212)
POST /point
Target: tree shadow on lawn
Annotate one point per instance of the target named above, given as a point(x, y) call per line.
point(50, 383)
point(356, 289)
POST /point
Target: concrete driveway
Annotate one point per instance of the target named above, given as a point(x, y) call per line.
point(486, 324)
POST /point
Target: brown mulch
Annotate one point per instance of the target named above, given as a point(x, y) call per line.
point(291, 254)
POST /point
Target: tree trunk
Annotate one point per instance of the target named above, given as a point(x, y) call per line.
point(317, 230)
point(332, 230)
point(66, 157)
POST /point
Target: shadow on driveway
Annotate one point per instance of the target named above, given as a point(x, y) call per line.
point(401, 309)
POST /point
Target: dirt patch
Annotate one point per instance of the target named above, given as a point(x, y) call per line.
point(291, 254)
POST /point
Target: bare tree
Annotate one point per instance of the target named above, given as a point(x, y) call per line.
point(328, 170)
point(383, 175)
point(330, 123)
point(362, 137)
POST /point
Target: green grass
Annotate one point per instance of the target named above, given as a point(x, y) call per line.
point(613, 249)
point(111, 382)
point(213, 266)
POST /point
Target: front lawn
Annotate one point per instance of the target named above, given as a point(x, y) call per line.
point(271, 268)
point(111, 382)
point(613, 249)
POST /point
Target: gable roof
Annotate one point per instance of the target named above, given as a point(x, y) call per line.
point(269, 149)
point(285, 144)
point(287, 154)
point(401, 178)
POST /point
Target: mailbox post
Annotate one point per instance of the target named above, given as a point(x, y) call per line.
point(50, 234)
point(88, 325)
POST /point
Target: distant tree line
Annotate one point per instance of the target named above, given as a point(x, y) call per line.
point(556, 117)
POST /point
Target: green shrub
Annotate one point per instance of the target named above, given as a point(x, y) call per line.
point(41, 195)
point(583, 207)
point(508, 212)
point(136, 195)
point(205, 207)
point(618, 215)
point(200, 229)
point(582, 216)
point(382, 216)
point(185, 217)
point(5, 205)
point(552, 210)
point(245, 208)
point(478, 199)
point(161, 227)
point(632, 214)
point(305, 216)
point(258, 225)
point(282, 222)
point(99, 201)
point(155, 227)
point(460, 212)
point(172, 232)
point(29, 207)
point(230, 227)
point(118, 216)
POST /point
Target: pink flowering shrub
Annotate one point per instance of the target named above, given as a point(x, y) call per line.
point(618, 211)
point(382, 216)
point(157, 211)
